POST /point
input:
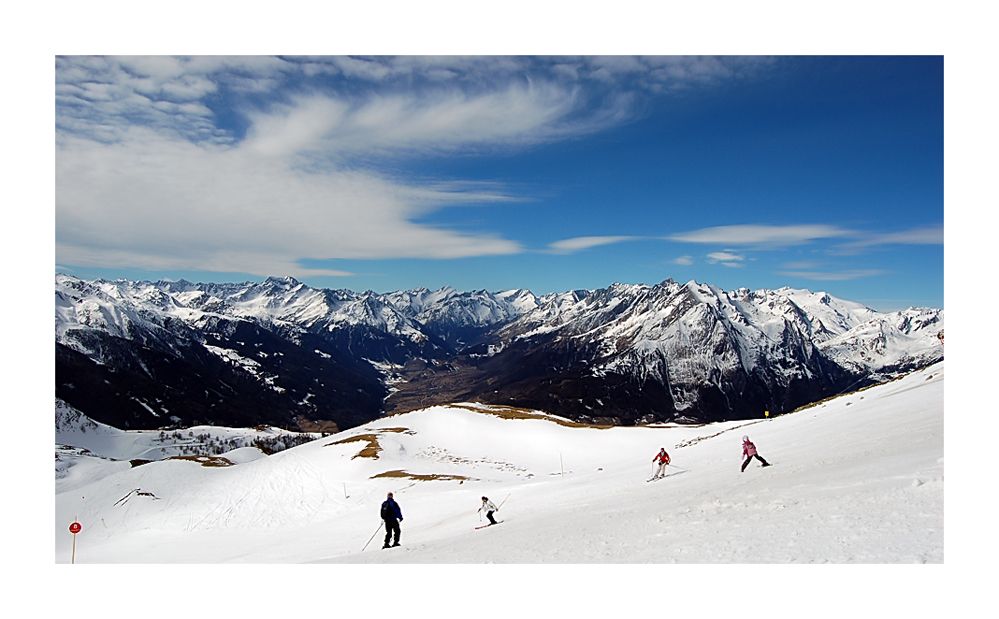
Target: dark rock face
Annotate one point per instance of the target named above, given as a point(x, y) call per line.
point(134, 386)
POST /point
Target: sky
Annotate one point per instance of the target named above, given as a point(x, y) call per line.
point(549, 173)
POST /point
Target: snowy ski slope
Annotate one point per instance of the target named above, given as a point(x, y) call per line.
point(857, 479)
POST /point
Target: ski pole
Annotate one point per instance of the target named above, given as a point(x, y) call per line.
point(502, 502)
point(676, 467)
point(372, 537)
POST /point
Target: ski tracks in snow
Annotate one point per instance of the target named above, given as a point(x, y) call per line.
point(268, 494)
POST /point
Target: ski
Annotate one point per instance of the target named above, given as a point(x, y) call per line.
point(487, 525)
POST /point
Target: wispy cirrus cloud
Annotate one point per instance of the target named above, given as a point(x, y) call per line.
point(773, 237)
point(765, 236)
point(324, 127)
point(726, 258)
point(931, 235)
point(569, 246)
point(762, 235)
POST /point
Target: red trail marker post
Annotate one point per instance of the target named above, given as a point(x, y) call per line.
point(74, 529)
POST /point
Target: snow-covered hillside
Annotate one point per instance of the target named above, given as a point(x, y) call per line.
point(855, 479)
point(87, 450)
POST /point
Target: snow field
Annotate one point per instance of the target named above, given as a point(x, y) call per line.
point(858, 479)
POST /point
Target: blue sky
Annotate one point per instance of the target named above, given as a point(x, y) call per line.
point(491, 172)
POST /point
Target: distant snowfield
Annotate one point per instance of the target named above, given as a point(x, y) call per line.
point(857, 479)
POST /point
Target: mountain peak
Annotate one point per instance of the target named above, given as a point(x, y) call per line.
point(286, 282)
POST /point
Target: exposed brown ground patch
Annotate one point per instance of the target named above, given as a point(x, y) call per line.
point(204, 460)
point(372, 449)
point(419, 477)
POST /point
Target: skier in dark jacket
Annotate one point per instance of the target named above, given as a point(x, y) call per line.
point(749, 451)
point(391, 514)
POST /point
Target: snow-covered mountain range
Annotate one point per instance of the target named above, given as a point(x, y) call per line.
point(149, 355)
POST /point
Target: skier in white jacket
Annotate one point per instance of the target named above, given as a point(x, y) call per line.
point(489, 507)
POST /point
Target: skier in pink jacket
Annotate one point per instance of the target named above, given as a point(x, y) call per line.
point(749, 451)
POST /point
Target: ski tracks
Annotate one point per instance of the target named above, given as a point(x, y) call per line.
point(264, 494)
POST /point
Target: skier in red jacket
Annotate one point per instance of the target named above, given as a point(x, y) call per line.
point(749, 451)
point(663, 459)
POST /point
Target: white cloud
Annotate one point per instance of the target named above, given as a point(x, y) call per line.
point(568, 246)
point(684, 260)
point(726, 258)
point(152, 202)
point(722, 256)
point(99, 97)
point(443, 121)
point(761, 235)
point(764, 237)
point(916, 236)
point(933, 235)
